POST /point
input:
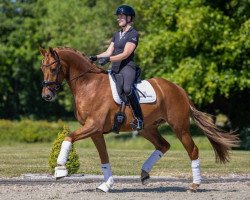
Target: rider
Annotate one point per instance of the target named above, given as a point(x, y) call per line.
point(120, 53)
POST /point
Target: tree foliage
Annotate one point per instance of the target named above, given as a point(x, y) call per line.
point(196, 46)
point(202, 45)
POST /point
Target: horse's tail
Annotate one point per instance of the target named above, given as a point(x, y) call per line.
point(221, 141)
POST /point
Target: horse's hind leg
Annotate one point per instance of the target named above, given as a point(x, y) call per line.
point(183, 134)
point(161, 146)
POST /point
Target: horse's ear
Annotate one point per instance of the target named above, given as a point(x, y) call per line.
point(42, 51)
point(51, 50)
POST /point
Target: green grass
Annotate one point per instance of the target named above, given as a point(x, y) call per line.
point(126, 158)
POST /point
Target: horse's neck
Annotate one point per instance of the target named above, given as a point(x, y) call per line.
point(80, 74)
point(76, 64)
point(87, 87)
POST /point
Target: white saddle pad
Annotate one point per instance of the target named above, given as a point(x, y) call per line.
point(145, 87)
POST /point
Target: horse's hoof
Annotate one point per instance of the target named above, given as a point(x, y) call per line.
point(144, 177)
point(60, 172)
point(104, 187)
point(58, 178)
point(193, 188)
point(99, 190)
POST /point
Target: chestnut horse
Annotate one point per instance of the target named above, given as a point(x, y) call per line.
point(95, 110)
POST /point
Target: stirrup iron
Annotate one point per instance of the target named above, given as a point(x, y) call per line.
point(119, 118)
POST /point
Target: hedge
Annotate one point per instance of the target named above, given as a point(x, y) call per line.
point(29, 131)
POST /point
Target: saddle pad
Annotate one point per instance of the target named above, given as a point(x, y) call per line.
point(144, 86)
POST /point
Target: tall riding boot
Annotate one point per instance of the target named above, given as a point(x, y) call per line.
point(136, 108)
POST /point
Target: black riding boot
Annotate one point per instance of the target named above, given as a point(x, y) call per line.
point(136, 108)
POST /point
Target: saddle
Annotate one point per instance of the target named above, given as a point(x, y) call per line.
point(144, 89)
point(145, 94)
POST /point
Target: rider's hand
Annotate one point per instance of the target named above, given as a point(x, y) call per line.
point(93, 58)
point(103, 60)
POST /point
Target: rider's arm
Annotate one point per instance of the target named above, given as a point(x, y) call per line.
point(129, 48)
point(108, 52)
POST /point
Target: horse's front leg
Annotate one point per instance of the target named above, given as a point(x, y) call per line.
point(100, 144)
point(88, 130)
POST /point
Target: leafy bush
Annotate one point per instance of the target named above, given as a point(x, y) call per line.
point(29, 131)
point(73, 160)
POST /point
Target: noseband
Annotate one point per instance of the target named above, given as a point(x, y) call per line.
point(47, 83)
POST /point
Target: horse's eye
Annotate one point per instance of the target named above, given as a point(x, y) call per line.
point(53, 71)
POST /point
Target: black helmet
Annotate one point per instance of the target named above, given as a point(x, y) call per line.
point(126, 10)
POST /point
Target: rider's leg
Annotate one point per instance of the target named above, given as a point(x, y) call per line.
point(129, 75)
point(120, 116)
point(134, 102)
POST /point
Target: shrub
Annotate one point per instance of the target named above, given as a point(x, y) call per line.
point(29, 131)
point(8, 131)
point(73, 160)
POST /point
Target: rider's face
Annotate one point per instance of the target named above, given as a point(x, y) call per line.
point(121, 19)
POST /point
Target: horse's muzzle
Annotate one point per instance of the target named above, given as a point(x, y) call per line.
point(48, 95)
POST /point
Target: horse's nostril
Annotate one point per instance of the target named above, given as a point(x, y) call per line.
point(46, 97)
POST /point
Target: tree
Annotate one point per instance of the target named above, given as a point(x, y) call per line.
point(202, 46)
point(20, 80)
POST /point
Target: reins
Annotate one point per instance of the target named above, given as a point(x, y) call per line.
point(82, 74)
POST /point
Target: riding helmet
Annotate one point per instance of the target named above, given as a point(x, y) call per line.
point(126, 10)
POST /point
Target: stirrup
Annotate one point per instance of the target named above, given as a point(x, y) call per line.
point(119, 120)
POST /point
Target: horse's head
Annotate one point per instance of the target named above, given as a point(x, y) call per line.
point(52, 72)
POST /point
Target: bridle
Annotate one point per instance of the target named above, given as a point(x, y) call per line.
point(47, 83)
point(58, 85)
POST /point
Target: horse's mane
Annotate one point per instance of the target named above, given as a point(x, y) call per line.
point(83, 55)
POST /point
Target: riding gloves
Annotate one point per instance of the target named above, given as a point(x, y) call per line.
point(93, 58)
point(104, 60)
